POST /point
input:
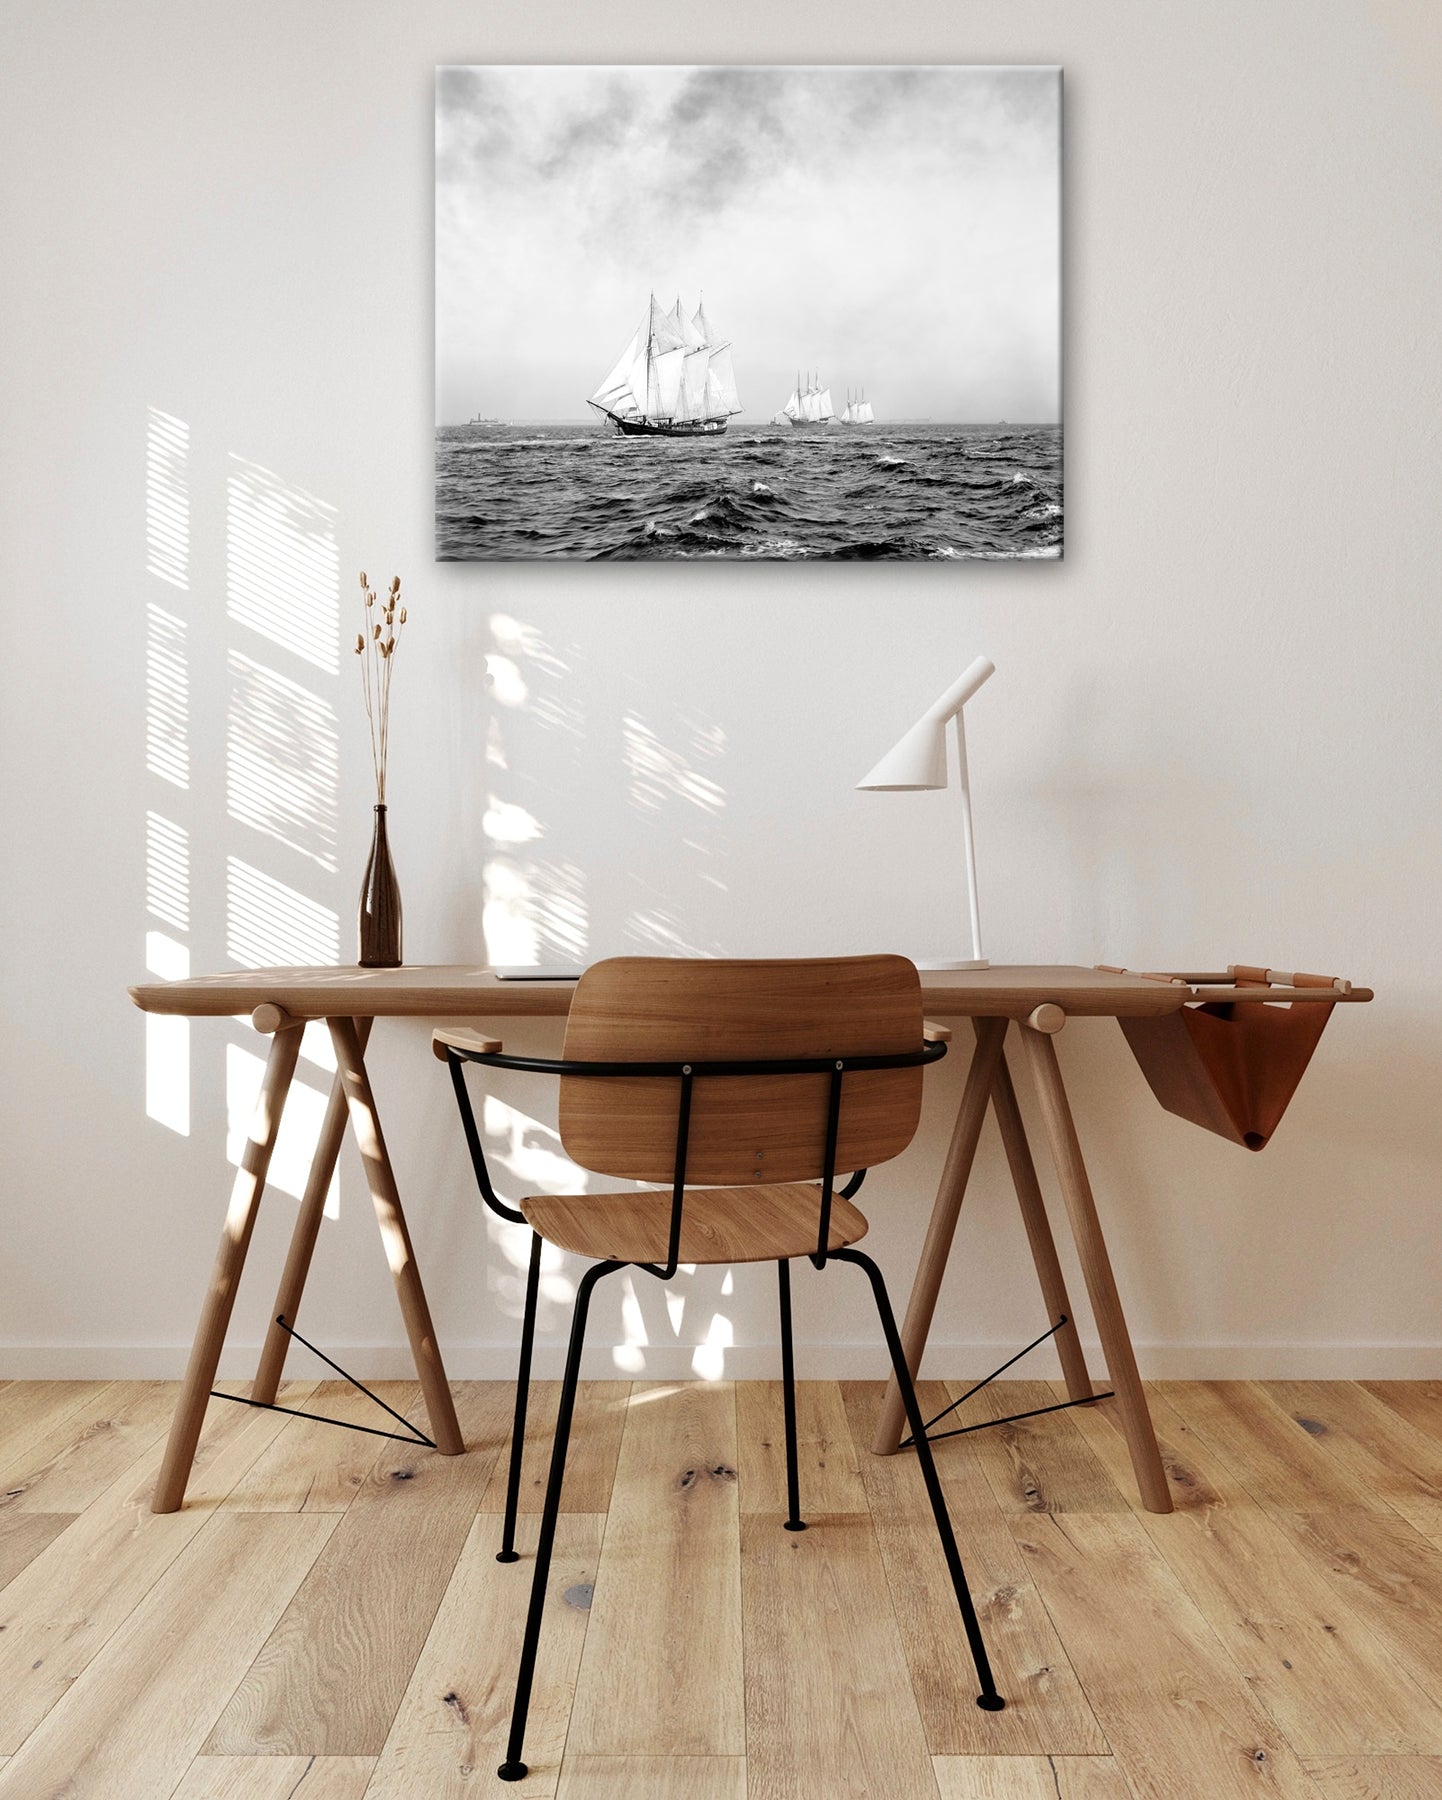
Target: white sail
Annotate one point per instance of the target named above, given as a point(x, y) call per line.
point(619, 393)
point(721, 384)
point(703, 325)
point(824, 408)
point(694, 385)
point(686, 328)
point(663, 387)
point(792, 408)
point(864, 414)
point(665, 330)
point(849, 416)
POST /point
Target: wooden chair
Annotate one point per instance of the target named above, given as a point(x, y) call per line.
point(759, 1080)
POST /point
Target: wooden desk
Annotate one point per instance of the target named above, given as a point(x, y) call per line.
point(1037, 999)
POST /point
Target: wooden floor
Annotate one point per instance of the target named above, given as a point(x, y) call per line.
point(325, 1618)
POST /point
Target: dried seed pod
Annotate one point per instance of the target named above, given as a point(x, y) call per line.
point(403, 615)
point(395, 584)
point(364, 582)
point(375, 631)
point(360, 642)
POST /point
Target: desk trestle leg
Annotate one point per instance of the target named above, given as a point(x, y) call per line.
point(303, 1238)
point(365, 1122)
point(1097, 1269)
point(225, 1276)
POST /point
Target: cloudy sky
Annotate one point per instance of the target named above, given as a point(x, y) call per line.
point(892, 228)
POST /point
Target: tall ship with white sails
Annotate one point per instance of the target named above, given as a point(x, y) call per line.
point(810, 404)
point(674, 379)
point(858, 411)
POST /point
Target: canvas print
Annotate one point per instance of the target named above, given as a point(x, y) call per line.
point(782, 313)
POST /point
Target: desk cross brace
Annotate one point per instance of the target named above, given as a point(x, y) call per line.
point(411, 1435)
point(936, 1437)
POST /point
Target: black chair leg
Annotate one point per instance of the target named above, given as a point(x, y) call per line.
point(794, 1521)
point(513, 1769)
point(988, 1699)
point(507, 1552)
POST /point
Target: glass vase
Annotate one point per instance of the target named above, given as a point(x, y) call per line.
point(380, 904)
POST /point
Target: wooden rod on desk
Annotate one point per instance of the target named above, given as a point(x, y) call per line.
point(225, 1275)
point(303, 1237)
point(990, 1035)
point(365, 1122)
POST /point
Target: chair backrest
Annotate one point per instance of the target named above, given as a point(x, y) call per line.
point(744, 1128)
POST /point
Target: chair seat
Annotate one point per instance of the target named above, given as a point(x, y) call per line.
point(718, 1225)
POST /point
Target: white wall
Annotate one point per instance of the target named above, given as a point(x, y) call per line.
point(1214, 732)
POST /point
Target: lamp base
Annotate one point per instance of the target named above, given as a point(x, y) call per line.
point(941, 962)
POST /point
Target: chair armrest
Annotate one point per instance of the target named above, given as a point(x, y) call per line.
point(457, 1037)
point(934, 1033)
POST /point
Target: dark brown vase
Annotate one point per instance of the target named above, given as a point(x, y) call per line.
point(380, 905)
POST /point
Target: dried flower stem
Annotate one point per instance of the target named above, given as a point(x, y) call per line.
point(376, 647)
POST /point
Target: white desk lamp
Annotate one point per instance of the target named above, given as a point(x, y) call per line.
point(919, 761)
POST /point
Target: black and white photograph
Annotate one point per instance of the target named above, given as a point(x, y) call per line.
point(759, 313)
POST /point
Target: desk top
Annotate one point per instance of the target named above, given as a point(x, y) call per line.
point(469, 991)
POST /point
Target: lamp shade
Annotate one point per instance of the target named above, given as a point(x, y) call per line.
point(919, 759)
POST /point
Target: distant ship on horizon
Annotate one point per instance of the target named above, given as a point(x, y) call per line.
point(811, 404)
point(674, 379)
point(858, 411)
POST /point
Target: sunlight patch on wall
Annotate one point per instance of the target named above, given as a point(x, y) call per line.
point(167, 697)
point(167, 871)
point(167, 499)
point(709, 1360)
point(659, 773)
point(528, 1150)
point(167, 1041)
point(268, 923)
point(630, 1356)
point(282, 566)
point(282, 760)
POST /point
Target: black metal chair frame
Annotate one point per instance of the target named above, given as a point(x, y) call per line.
point(687, 1074)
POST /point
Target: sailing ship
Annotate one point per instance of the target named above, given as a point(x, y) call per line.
point(858, 411)
point(811, 404)
point(674, 378)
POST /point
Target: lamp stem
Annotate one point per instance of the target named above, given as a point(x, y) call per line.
point(968, 839)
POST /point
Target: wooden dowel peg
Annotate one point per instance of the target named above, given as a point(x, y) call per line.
point(268, 1018)
point(1048, 1018)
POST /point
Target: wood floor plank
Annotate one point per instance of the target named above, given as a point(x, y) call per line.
point(58, 1612)
point(275, 1778)
point(665, 1628)
point(330, 1677)
point(321, 1468)
point(1418, 1402)
point(654, 1778)
point(829, 1703)
point(1276, 1459)
point(1391, 1577)
point(1179, 1718)
point(826, 1458)
point(1029, 1778)
point(1035, 1465)
point(29, 1410)
point(449, 1734)
point(132, 1723)
point(1320, 1672)
point(1389, 1456)
point(1046, 1711)
point(1377, 1777)
point(595, 1443)
point(23, 1536)
point(63, 1469)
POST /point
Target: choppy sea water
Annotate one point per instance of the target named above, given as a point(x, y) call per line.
point(912, 491)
